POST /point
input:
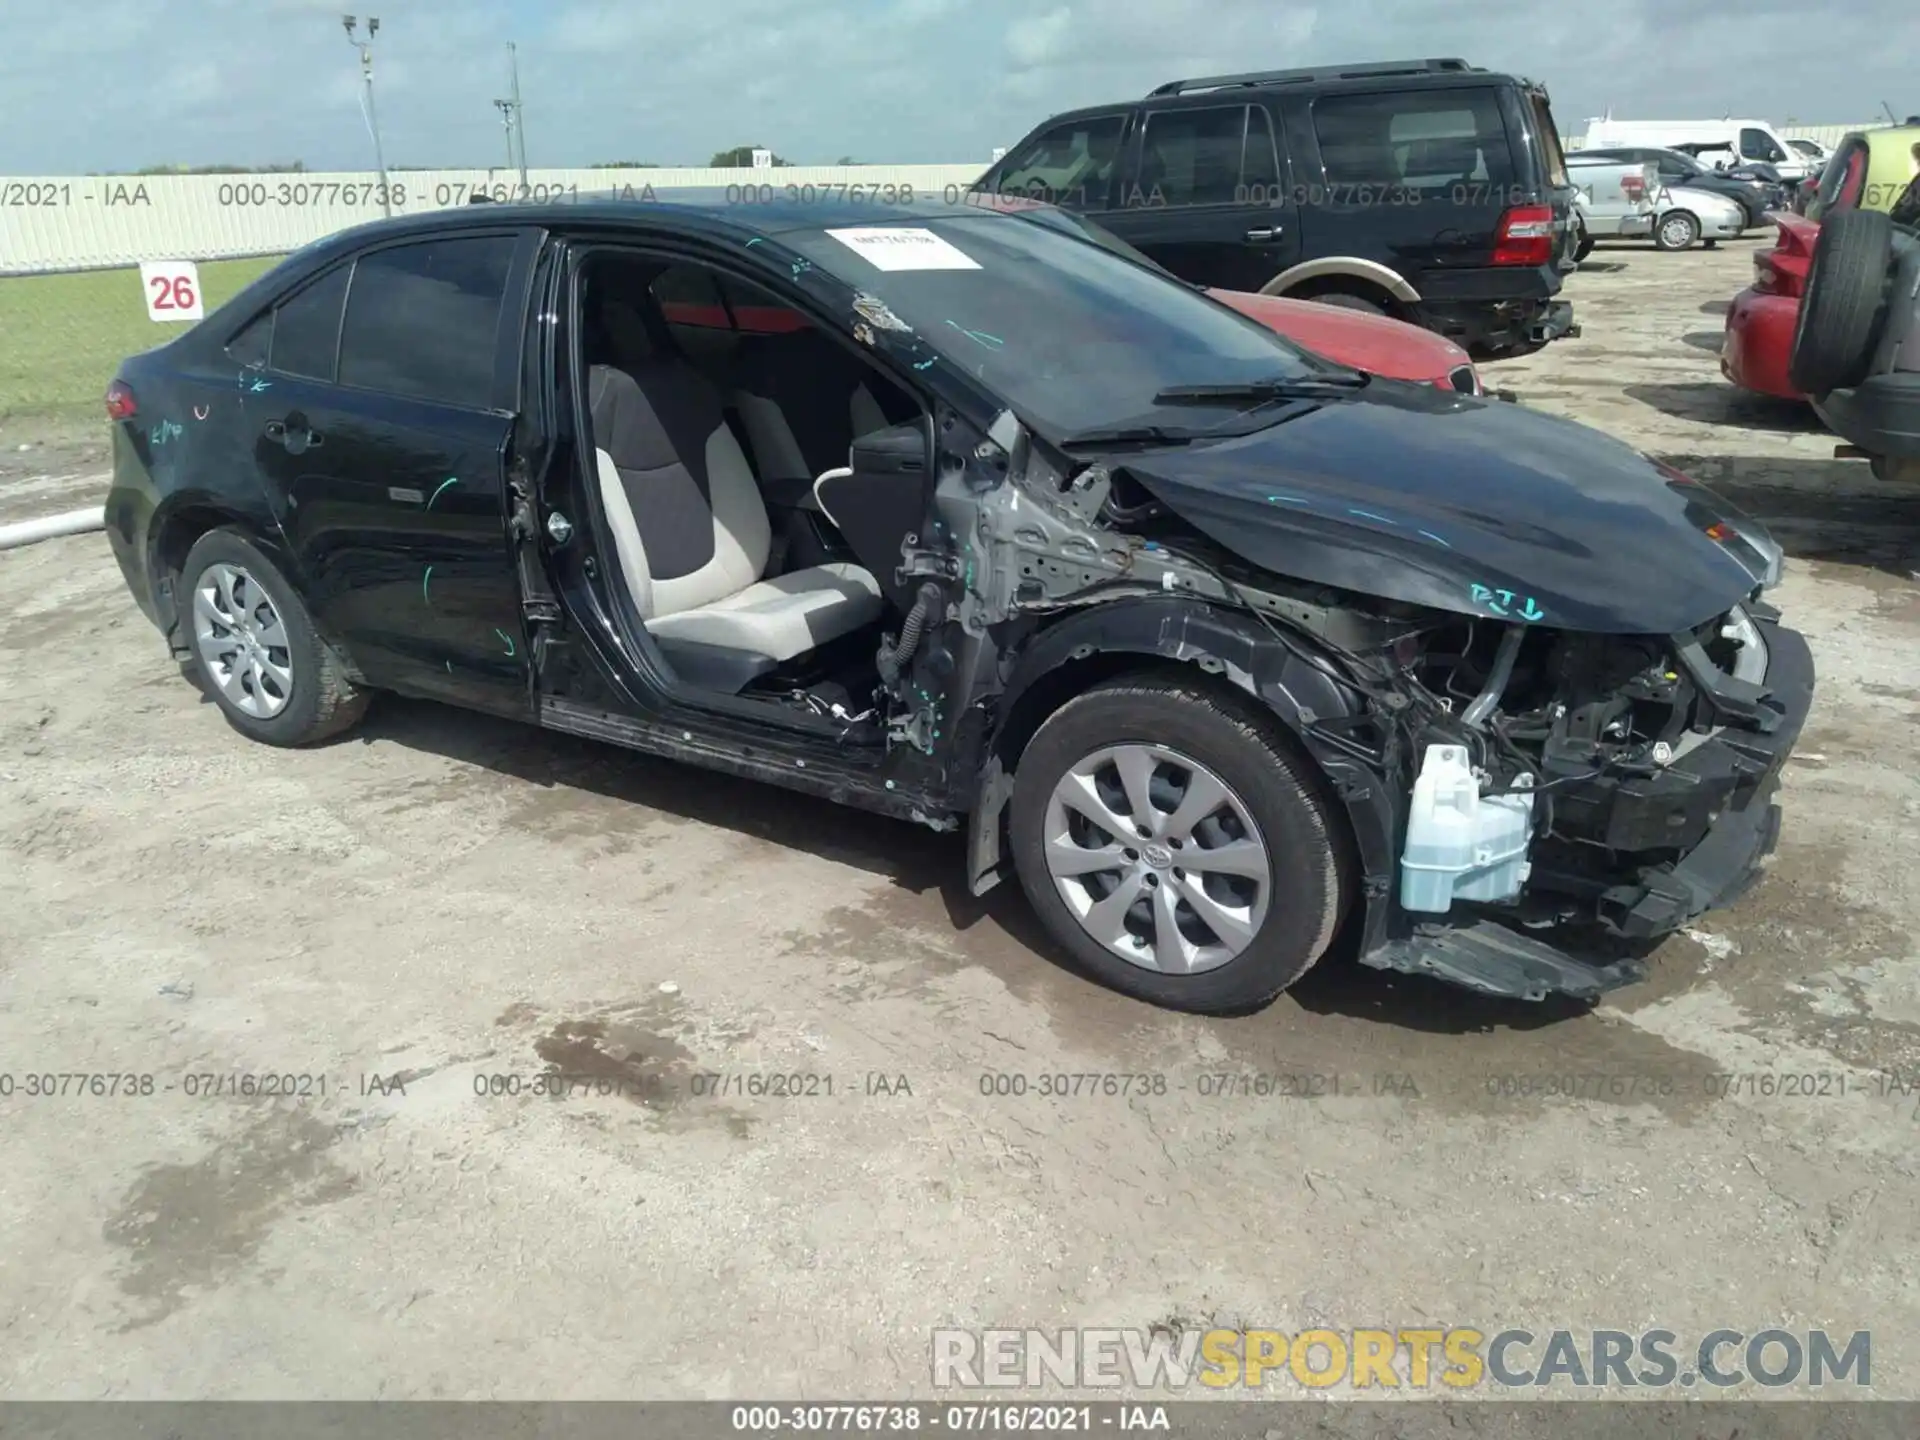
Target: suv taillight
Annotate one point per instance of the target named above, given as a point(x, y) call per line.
point(120, 404)
point(1525, 236)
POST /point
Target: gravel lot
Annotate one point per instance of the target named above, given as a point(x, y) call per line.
point(444, 898)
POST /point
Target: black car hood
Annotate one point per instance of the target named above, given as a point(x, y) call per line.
point(1411, 493)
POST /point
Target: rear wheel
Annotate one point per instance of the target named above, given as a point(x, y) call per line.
point(1676, 230)
point(1176, 846)
point(255, 647)
point(1838, 326)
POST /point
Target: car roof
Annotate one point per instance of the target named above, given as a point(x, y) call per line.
point(1432, 80)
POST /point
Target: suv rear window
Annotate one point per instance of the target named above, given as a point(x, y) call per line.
point(306, 328)
point(422, 319)
point(1216, 156)
point(1422, 139)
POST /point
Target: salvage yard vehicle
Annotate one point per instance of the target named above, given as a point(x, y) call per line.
point(1227, 650)
point(1856, 349)
point(1868, 170)
point(1676, 169)
point(1615, 199)
point(1428, 190)
point(1736, 142)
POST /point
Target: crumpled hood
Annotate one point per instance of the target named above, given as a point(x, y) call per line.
point(1482, 507)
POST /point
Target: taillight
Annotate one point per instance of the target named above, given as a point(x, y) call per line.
point(1525, 236)
point(120, 404)
point(1634, 187)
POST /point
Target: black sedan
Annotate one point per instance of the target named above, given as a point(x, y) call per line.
point(1228, 650)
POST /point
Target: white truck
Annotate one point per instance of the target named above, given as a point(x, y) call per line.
point(1730, 142)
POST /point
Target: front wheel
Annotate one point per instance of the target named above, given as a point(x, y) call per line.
point(1677, 230)
point(1176, 846)
point(255, 647)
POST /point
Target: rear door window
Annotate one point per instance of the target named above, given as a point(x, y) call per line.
point(306, 328)
point(422, 320)
point(1192, 157)
point(1429, 140)
point(1068, 164)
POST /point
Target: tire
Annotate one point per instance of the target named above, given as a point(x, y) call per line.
point(1185, 725)
point(1583, 248)
point(1676, 230)
point(1341, 300)
point(1838, 326)
point(289, 693)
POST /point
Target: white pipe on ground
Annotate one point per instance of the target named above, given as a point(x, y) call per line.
point(49, 527)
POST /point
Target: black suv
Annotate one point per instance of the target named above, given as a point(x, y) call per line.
point(1429, 190)
point(930, 509)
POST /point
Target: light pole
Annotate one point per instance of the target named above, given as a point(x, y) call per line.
point(519, 114)
point(505, 107)
point(365, 47)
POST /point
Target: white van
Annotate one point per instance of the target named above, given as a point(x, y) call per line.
point(1736, 142)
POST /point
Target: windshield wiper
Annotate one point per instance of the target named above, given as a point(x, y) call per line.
point(1132, 435)
point(1278, 387)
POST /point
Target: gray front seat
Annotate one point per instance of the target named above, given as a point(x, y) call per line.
point(690, 529)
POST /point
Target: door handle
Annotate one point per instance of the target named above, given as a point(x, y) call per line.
point(1263, 233)
point(293, 434)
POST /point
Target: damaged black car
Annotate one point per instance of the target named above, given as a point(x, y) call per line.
point(1227, 652)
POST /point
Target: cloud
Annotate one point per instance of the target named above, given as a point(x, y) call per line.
point(117, 84)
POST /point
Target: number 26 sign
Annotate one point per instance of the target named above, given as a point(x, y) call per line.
point(173, 289)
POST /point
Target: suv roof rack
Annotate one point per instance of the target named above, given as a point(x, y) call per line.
point(1316, 74)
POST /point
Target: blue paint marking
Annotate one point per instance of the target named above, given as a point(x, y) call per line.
point(992, 342)
point(926, 364)
point(753, 242)
point(508, 638)
point(801, 267)
point(1436, 539)
point(425, 581)
point(1369, 515)
point(450, 480)
point(163, 432)
point(260, 385)
point(1506, 603)
point(1287, 500)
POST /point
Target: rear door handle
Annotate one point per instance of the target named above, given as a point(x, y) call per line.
point(293, 434)
point(1263, 233)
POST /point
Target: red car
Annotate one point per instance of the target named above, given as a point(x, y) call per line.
point(1367, 342)
point(1760, 323)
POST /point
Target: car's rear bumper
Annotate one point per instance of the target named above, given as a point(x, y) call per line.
point(1758, 340)
point(1504, 325)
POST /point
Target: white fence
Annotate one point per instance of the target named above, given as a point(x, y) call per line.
point(89, 222)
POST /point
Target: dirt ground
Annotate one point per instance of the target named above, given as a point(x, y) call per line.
point(443, 903)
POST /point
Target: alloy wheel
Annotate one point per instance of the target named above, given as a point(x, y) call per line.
point(1158, 858)
point(241, 641)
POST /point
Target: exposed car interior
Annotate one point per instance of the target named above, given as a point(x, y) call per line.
point(756, 477)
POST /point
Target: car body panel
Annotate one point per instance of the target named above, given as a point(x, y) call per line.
point(1761, 320)
point(1607, 208)
point(1720, 218)
point(1378, 344)
point(1511, 513)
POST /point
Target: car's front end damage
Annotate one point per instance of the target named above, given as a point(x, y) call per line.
point(1533, 668)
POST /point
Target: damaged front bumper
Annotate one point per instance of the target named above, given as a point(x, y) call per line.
point(1717, 802)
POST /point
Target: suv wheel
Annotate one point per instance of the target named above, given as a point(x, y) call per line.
point(1839, 322)
point(255, 647)
point(1677, 230)
point(1175, 846)
point(1342, 300)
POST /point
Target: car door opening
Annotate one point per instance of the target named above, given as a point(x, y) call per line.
point(757, 479)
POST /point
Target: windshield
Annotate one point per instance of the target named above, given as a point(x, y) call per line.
point(1070, 335)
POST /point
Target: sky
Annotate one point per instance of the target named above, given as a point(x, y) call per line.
point(116, 85)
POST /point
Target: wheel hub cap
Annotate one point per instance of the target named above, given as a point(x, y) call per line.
point(1158, 858)
point(241, 642)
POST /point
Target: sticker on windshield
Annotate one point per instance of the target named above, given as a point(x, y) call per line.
point(892, 247)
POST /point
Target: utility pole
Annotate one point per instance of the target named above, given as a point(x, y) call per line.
point(365, 47)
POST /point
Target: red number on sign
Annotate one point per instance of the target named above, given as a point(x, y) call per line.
point(171, 292)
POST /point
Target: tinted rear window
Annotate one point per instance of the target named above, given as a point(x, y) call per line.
point(1207, 157)
point(306, 328)
point(1069, 164)
point(422, 319)
point(1422, 139)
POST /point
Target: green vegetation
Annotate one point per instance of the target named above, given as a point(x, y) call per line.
point(64, 334)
